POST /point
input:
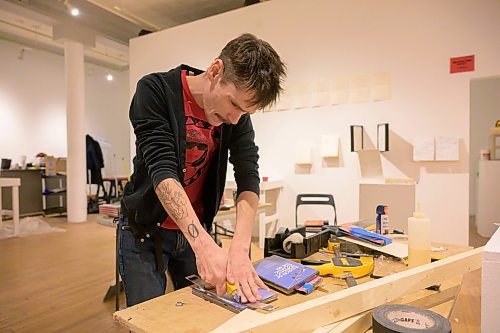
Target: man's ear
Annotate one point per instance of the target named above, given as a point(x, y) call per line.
point(216, 69)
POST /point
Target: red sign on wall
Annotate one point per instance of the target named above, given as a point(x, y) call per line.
point(462, 64)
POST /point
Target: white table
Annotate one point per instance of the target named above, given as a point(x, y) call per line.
point(14, 183)
point(261, 215)
point(269, 194)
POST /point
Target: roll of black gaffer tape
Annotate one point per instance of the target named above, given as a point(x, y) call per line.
point(401, 318)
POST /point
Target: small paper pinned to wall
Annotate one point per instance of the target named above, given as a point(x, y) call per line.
point(423, 148)
point(370, 163)
point(285, 102)
point(302, 96)
point(381, 86)
point(303, 154)
point(340, 91)
point(446, 148)
point(321, 95)
point(360, 89)
point(380, 93)
point(330, 146)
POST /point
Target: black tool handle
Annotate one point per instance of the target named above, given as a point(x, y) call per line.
point(314, 262)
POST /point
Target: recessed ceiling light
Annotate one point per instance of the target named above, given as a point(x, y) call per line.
point(75, 12)
point(109, 77)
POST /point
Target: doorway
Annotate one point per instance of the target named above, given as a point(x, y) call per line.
point(484, 112)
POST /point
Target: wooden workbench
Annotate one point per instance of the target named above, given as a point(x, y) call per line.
point(197, 315)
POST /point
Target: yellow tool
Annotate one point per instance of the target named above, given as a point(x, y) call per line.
point(343, 267)
point(339, 266)
point(332, 243)
point(231, 288)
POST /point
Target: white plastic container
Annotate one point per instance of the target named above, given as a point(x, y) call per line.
point(419, 239)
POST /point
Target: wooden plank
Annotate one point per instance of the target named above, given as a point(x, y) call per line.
point(315, 313)
point(396, 249)
point(356, 324)
point(466, 314)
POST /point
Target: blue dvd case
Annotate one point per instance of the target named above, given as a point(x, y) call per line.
point(283, 274)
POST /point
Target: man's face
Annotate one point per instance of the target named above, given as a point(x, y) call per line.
point(223, 102)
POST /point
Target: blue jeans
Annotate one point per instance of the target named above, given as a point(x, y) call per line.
point(137, 263)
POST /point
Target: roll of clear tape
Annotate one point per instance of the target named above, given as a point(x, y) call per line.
point(295, 238)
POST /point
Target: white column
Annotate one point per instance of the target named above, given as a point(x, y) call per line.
point(75, 113)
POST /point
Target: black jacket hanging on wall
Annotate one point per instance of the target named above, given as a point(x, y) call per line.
point(95, 161)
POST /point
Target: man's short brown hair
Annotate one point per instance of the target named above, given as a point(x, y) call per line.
point(252, 64)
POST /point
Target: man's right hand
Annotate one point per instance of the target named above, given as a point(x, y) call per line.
point(211, 261)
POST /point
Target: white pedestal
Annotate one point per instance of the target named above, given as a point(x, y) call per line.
point(400, 199)
point(488, 197)
point(490, 291)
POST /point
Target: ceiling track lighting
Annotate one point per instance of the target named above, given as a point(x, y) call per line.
point(74, 11)
point(21, 54)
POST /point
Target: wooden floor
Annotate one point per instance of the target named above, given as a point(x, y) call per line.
point(55, 282)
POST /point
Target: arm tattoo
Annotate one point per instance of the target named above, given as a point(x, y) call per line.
point(193, 230)
point(173, 200)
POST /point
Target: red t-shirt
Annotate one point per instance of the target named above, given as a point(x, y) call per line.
point(202, 140)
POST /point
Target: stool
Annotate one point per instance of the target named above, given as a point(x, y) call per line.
point(115, 185)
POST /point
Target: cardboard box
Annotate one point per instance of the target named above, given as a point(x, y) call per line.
point(54, 165)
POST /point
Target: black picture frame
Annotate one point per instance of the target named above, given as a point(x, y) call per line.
point(383, 137)
point(357, 138)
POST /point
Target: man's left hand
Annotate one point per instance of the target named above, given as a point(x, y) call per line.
point(241, 272)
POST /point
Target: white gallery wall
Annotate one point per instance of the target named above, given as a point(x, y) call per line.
point(484, 112)
point(408, 42)
point(33, 107)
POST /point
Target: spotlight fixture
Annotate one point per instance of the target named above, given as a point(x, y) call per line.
point(75, 11)
point(109, 77)
point(21, 54)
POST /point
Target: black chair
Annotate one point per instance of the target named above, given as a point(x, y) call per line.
point(315, 199)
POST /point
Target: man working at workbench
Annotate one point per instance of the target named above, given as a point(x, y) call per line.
point(186, 121)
